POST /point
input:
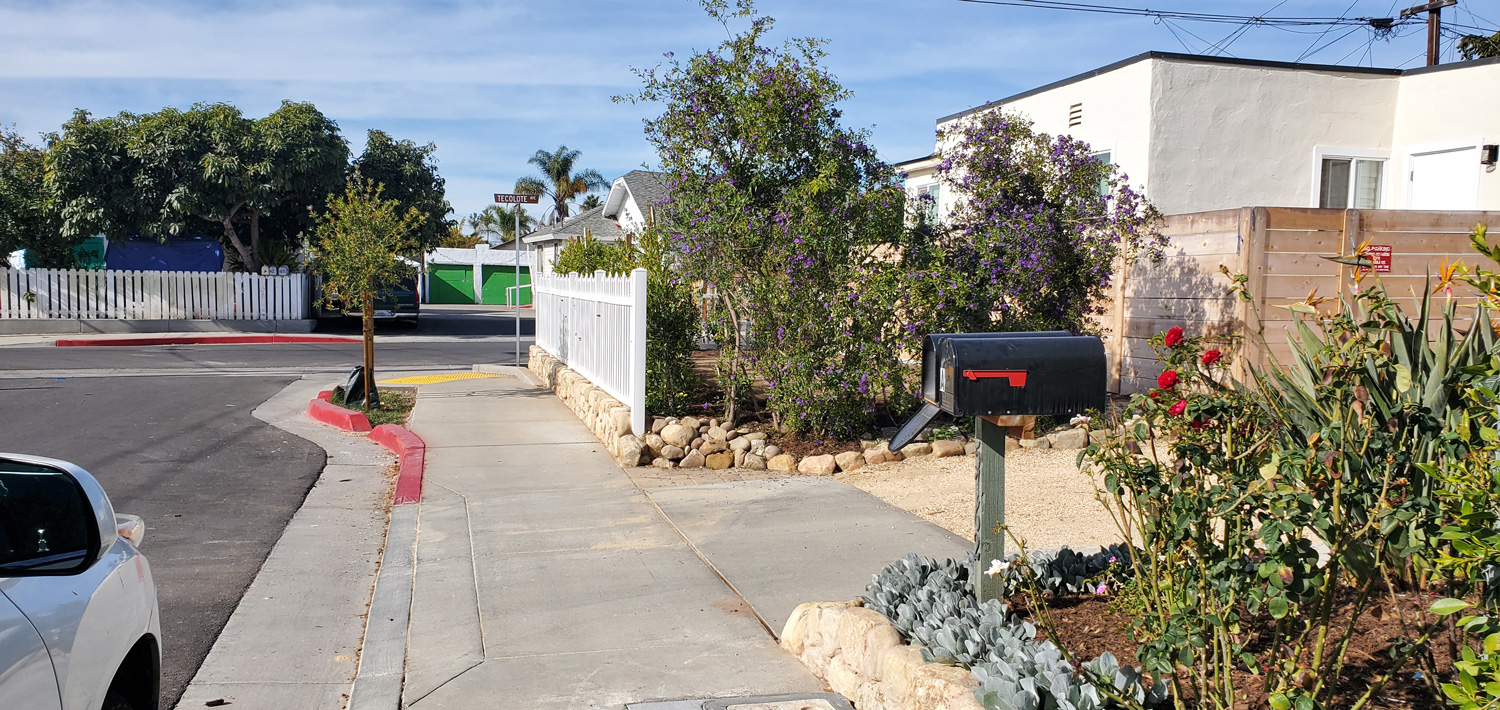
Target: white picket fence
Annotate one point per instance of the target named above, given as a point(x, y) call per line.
point(597, 325)
point(151, 295)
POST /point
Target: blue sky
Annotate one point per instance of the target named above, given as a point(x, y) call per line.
point(491, 82)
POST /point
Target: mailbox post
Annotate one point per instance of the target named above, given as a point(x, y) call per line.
point(989, 375)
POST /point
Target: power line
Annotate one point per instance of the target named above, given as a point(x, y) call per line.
point(1324, 33)
point(1188, 16)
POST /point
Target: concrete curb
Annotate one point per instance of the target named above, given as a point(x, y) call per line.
point(381, 677)
point(322, 410)
point(413, 453)
point(199, 340)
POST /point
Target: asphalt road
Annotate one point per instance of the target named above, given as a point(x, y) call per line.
point(168, 431)
point(215, 485)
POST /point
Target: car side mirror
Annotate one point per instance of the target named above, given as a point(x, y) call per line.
point(54, 518)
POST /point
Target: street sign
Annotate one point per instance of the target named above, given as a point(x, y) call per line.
point(513, 199)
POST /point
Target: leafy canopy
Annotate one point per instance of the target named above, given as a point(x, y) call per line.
point(558, 180)
point(359, 240)
point(28, 216)
point(409, 173)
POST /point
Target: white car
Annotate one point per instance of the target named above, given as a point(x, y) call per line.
point(78, 619)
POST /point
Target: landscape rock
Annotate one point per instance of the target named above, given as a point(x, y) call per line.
point(677, 435)
point(818, 465)
point(688, 423)
point(1042, 443)
point(663, 463)
point(754, 435)
point(719, 461)
point(713, 422)
point(1070, 439)
point(692, 460)
point(628, 450)
point(944, 448)
point(654, 444)
point(1098, 436)
point(696, 443)
point(867, 444)
point(657, 425)
point(782, 462)
point(881, 453)
point(753, 462)
point(915, 449)
point(716, 434)
point(739, 459)
point(756, 447)
point(850, 460)
point(740, 444)
point(672, 453)
point(712, 447)
point(772, 451)
point(972, 447)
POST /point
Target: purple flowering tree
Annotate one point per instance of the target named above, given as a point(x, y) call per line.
point(1033, 238)
point(786, 217)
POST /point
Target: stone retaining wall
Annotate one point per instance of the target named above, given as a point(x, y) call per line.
point(606, 416)
point(860, 655)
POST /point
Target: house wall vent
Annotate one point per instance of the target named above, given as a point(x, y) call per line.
point(1075, 115)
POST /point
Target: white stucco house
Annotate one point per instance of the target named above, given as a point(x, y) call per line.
point(625, 210)
point(1203, 133)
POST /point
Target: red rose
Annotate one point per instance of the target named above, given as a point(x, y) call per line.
point(1211, 357)
point(1174, 336)
point(1177, 409)
point(1167, 380)
point(1199, 425)
point(1152, 394)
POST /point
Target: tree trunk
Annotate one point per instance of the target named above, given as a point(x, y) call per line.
point(255, 237)
point(371, 398)
point(247, 258)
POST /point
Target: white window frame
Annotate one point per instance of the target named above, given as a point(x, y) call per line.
point(1428, 149)
point(1096, 151)
point(1322, 152)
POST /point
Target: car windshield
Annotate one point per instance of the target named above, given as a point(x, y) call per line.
point(44, 519)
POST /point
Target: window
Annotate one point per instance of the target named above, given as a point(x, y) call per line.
point(1103, 157)
point(1350, 182)
point(929, 207)
point(44, 520)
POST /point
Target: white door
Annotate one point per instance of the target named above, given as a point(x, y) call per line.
point(1444, 180)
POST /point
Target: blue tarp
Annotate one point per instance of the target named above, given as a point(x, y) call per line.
point(144, 254)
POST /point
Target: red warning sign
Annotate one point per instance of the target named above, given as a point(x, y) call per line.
point(1380, 254)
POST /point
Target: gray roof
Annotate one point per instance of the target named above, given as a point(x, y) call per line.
point(648, 187)
point(593, 221)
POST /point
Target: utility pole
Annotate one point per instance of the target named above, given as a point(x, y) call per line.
point(1434, 12)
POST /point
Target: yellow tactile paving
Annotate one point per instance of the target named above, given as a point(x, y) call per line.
point(444, 377)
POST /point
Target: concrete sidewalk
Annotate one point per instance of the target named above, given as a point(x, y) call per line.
point(546, 579)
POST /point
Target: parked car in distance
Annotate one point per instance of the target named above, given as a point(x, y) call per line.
point(79, 627)
point(400, 303)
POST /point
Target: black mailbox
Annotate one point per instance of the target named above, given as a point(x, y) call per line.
point(982, 374)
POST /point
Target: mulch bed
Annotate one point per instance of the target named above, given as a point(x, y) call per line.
point(1088, 626)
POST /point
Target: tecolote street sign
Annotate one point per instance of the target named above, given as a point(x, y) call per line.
point(511, 199)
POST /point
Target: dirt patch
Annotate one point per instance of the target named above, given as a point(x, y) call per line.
point(1048, 501)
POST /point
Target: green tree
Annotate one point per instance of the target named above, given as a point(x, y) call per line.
point(590, 202)
point(28, 218)
point(358, 241)
point(172, 172)
point(497, 223)
point(558, 180)
point(1479, 46)
point(409, 173)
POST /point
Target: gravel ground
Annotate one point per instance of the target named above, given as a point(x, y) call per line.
point(1048, 502)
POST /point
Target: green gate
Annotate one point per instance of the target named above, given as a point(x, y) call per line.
point(499, 278)
point(450, 283)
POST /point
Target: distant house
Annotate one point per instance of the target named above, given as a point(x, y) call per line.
point(625, 210)
point(1205, 133)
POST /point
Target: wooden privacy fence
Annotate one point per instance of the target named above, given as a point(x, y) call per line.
point(1281, 250)
point(151, 295)
point(597, 325)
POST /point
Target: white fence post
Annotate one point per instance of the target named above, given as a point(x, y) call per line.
point(597, 325)
point(638, 352)
point(150, 295)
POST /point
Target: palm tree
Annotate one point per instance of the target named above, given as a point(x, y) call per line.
point(590, 202)
point(497, 223)
point(558, 181)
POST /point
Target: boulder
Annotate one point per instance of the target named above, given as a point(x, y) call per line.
point(628, 450)
point(713, 422)
point(944, 448)
point(741, 444)
point(663, 463)
point(972, 447)
point(1098, 436)
point(881, 454)
point(1070, 439)
point(818, 465)
point(672, 453)
point(867, 444)
point(850, 460)
point(716, 434)
point(1042, 443)
point(756, 447)
point(677, 435)
point(771, 451)
point(915, 449)
point(696, 443)
point(712, 446)
point(739, 459)
point(657, 425)
point(654, 444)
point(719, 461)
point(689, 423)
point(753, 462)
point(782, 462)
point(755, 435)
point(692, 460)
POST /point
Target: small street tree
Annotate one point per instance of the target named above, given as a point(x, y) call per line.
point(497, 223)
point(359, 241)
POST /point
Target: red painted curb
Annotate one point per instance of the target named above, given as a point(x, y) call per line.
point(334, 415)
point(200, 340)
point(326, 395)
point(413, 454)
